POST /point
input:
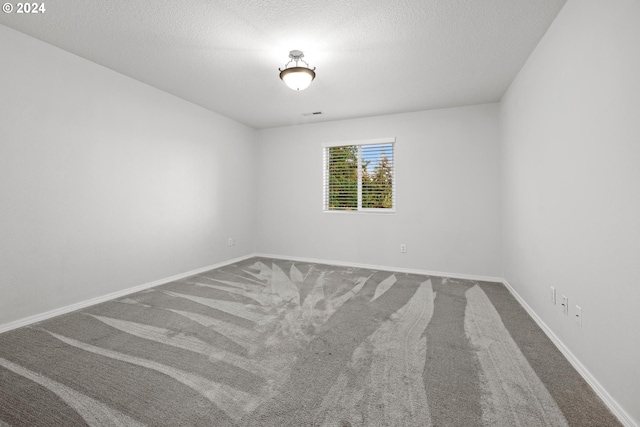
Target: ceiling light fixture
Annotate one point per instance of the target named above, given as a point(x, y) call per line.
point(296, 77)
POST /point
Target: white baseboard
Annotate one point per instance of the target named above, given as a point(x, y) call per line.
point(93, 301)
point(624, 418)
point(113, 295)
point(385, 268)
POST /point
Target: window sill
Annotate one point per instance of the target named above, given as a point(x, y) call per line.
point(364, 211)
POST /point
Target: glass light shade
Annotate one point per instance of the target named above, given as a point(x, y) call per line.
point(297, 78)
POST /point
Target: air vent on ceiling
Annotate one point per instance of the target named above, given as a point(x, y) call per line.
point(315, 113)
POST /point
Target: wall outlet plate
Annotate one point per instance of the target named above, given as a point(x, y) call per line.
point(553, 295)
point(578, 315)
point(403, 248)
point(565, 305)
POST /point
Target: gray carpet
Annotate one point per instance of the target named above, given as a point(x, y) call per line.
point(278, 343)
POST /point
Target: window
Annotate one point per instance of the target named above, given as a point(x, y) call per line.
point(359, 176)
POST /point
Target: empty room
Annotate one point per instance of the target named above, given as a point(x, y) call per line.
point(305, 213)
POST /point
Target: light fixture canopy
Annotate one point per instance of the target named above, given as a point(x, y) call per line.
point(297, 77)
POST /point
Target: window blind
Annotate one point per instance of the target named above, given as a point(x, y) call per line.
point(359, 176)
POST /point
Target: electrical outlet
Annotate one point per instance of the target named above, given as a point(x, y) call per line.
point(231, 241)
point(565, 305)
point(403, 248)
point(578, 315)
point(553, 295)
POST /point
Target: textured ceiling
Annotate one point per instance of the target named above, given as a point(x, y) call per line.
point(373, 57)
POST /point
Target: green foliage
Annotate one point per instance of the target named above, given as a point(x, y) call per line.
point(377, 189)
point(377, 184)
point(343, 177)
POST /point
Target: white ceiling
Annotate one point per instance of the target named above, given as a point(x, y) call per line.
point(373, 57)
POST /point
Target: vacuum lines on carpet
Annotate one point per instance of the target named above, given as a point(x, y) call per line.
point(268, 342)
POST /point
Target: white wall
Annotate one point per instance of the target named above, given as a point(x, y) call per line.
point(106, 183)
point(447, 193)
point(570, 127)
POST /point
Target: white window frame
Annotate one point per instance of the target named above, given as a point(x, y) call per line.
point(359, 143)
